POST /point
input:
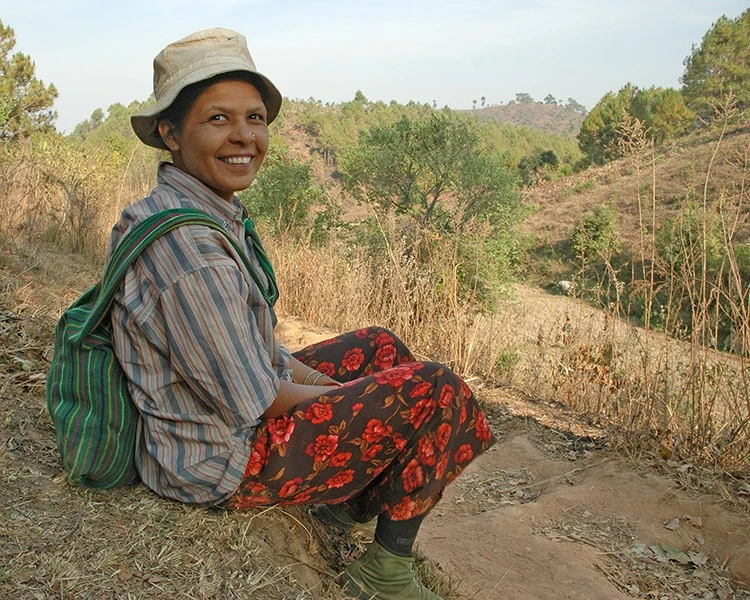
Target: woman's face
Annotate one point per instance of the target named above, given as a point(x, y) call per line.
point(224, 138)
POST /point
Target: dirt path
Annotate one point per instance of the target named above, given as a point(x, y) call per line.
point(543, 517)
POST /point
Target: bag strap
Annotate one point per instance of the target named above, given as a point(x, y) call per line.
point(133, 244)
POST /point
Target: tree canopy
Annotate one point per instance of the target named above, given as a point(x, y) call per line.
point(662, 112)
point(25, 101)
point(431, 168)
point(719, 66)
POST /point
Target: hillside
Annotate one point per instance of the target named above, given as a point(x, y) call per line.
point(646, 191)
point(553, 118)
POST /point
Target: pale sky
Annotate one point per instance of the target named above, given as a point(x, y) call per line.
point(448, 51)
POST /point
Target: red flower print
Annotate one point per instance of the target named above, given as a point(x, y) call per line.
point(446, 396)
point(421, 411)
point(323, 447)
point(427, 451)
point(464, 454)
point(362, 334)
point(372, 452)
point(353, 359)
point(250, 495)
point(443, 435)
point(384, 339)
point(290, 487)
point(483, 428)
point(385, 356)
point(405, 509)
point(281, 429)
point(256, 462)
point(303, 497)
point(356, 408)
point(400, 441)
point(340, 479)
point(440, 469)
point(421, 390)
point(465, 390)
point(464, 414)
point(413, 476)
point(327, 368)
point(341, 459)
point(397, 376)
point(318, 413)
point(376, 471)
point(376, 430)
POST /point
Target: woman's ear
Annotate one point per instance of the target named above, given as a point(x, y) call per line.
point(166, 131)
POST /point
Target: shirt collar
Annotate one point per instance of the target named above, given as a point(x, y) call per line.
point(201, 196)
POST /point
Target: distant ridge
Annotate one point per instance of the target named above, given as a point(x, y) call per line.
point(548, 117)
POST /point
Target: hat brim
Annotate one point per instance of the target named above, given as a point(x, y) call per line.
point(145, 121)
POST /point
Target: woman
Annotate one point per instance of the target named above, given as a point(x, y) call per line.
point(228, 415)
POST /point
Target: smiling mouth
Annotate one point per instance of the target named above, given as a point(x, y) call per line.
point(238, 160)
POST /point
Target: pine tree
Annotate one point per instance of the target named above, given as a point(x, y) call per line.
point(25, 102)
point(719, 66)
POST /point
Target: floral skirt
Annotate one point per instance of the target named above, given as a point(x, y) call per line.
point(389, 440)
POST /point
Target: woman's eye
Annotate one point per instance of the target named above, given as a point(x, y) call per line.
point(218, 118)
point(257, 117)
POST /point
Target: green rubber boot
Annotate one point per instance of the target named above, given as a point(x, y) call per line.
point(333, 514)
point(381, 575)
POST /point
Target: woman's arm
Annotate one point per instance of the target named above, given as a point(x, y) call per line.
point(290, 395)
point(306, 385)
point(307, 376)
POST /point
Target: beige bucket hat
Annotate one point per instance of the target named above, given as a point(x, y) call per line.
point(198, 57)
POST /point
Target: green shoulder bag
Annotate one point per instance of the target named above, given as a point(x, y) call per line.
point(87, 394)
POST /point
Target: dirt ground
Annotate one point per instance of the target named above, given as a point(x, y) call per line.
point(551, 512)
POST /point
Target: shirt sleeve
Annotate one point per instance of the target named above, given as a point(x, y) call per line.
point(216, 345)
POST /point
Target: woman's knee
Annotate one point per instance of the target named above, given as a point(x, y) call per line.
point(383, 333)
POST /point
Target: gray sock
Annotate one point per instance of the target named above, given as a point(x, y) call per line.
point(398, 536)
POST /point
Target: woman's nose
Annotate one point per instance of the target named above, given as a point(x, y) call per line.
point(243, 133)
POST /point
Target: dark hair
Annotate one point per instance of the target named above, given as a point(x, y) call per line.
point(177, 112)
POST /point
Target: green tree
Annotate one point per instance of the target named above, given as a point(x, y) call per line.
point(25, 102)
point(439, 192)
point(285, 194)
point(719, 66)
point(524, 98)
point(432, 169)
point(597, 235)
point(599, 130)
point(532, 167)
point(662, 112)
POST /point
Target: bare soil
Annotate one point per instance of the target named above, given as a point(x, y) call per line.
point(552, 511)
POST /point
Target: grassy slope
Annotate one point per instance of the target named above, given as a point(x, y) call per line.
point(663, 187)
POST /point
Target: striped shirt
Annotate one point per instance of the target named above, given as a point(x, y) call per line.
point(195, 339)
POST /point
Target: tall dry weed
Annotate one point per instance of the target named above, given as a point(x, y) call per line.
point(684, 376)
point(66, 195)
point(344, 286)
